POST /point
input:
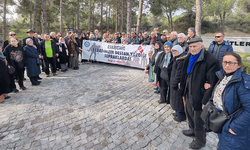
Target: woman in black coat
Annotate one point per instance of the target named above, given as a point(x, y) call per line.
point(63, 54)
point(15, 56)
point(4, 79)
point(163, 69)
point(176, 101)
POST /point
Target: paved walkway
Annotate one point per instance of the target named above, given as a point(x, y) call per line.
point(100, 106)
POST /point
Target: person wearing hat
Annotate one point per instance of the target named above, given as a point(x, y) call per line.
point(163, 67)
point(176, 101)
point(199, 67)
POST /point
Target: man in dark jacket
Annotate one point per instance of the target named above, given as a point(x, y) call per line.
point(134, 39)
point(174, 39)
point(199, 67)
point(182, 42)
point(6, 43)
point(50, 52)
point(35, 41)
point(151, 40)
point(191, 33)
point(219, 46)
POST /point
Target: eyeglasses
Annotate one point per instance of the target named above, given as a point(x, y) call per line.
point(230, 63)
point(12, 34)
point(218, 36)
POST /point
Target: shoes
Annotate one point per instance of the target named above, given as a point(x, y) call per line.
point(196, 145)
point(47, 75)
point(39, 82)
point(24, 79)
point(15, 90)
point(178, 119)
point(36, 84)
point(7, 97)
point(76, 68)
point(153, 84)
point(188, 133)
point(54, 74)
point(160, 102)
point(156, 88)
point(39, 78)
point(23, 88)
point(157, 92)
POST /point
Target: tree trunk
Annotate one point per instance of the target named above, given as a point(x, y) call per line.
point(116, 17)
point(129, 15)
point(44, 17)
point(4, 20)
point(93, 15)
point(77, 15)
point(198, 17)
point(171, 21)
point(222, 21)
point(61, 19)
point(108, 20)
point(122, 16)
point(139, 17)
point(101, 29)
point(34, 17)
point(215, 20)
point(89, 21)
point(48, 27)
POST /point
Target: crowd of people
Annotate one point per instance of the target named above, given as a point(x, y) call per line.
point(185, 74)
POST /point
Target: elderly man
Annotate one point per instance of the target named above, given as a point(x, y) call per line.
point(50, 52)
point(145, 36)
point(151, 40)
point(182, 42)
point(134, 39)
point(173, 37)
point(96, 34)
point(156, 30)
point(199, 67)
point(191, 33)
point(31, 34)
point(6, 43)
point(220, 46)
point(165, 32)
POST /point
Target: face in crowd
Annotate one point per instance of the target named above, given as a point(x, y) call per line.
point(145, 35)
point(175, 53)
point(150, 54)
point(132, 34)
point(173, 36)
point(180, 39)
point(195, 48)
point(167, 48)
point(30, 43)
point(13, 42)
point(31, 34)
point(219, 38)
point(190, 33)
point(152, 34)
point(12, 34)
point(96, 32)
point(230, 63)
point(157, 46)
point(168, 38)
point(47, 37)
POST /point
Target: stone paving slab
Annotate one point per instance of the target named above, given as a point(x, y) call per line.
point(98, 107)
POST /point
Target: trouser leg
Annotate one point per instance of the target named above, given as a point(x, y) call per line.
point(20, 76)
point(33, 80)
point(12, 81)
point(163, 90)
point(47, 66)
point(53, 65)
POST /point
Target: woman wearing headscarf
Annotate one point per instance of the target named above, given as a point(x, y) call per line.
point(163, 69)
point(176, 101)
point(33, 69)
point(63, 54)
point(73, 52)
point(15, 56)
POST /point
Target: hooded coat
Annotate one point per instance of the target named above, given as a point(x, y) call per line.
point(32, 68)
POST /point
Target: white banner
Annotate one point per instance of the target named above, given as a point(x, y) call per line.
point(127, 55)
point(239, 44)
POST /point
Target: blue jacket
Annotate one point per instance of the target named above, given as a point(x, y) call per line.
point(236, 95)
point(32, 68)
point(225, 47)
point(135, 40)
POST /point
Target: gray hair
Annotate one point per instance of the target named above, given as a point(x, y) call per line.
point(51, 33)
point(145, 32)
point(182, 34)
point(165, 31)
point(91, 35)
point(175, 33)
point(192, 29)
point(155, 28)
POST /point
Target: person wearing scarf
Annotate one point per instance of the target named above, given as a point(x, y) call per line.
point(199, 67)
point(33, 70)
point(176, 101)
point(63, 54)
point(163, 68)
point(157, 52)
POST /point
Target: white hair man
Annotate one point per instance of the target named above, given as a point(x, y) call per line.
point(165, 32)
point(173, 37)
point(182, 42)
point(200, 67)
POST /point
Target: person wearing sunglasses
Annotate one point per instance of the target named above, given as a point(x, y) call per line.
point(6, 43)
point(219, 47)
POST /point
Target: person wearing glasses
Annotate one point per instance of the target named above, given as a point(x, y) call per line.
point(220, 46)
point(6, 43)
point(231, 93)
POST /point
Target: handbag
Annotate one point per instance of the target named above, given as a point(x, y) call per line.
point(38, 61)
point(214, 118)
point(11, 69)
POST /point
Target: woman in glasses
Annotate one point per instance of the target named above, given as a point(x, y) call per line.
point(232, 93)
